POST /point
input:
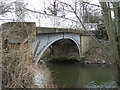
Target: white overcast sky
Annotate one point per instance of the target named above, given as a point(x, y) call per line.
point(39, 4)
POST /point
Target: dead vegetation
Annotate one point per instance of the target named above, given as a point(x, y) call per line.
point(17, 59)
point(17, 69)
point(18, 65)
point(96, 54)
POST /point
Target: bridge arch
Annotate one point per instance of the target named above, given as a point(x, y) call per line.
point(53, 41)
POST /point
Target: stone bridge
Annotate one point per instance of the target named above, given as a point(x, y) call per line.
point(41, 38)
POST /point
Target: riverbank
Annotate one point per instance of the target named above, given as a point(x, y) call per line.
point(97, 55)
point(0, 76)
point(42, 76)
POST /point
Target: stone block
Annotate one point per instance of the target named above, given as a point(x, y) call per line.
point(18, 32)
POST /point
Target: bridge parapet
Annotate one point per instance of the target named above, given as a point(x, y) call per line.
point(46, 30)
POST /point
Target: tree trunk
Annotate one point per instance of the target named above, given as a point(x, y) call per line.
point(109, 27)
point(116, 8)
point(114, 35)
point(118, 73)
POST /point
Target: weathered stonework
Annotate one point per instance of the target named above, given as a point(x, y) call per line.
point(87, 43)
point(17, 38)
point(18, 32)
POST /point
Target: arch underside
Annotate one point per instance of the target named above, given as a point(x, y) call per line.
point(47, 40)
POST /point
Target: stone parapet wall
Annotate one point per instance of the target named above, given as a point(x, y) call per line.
point(17, 32)
point(44, 30)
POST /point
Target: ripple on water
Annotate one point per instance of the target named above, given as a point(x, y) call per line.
point(109, 84)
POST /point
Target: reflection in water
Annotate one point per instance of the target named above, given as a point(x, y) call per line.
point(79, 76)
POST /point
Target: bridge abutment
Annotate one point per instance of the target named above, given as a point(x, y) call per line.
point(17, 37)
point(85, 44)
point(17, 58)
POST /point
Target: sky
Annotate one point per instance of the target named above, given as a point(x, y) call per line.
point(39, 4)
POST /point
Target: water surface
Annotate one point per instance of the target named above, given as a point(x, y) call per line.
point(83, 76)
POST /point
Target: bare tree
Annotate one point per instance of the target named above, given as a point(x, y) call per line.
point(113, 31)
point(5, 7)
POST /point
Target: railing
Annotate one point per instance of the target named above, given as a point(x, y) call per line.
point(47, 20)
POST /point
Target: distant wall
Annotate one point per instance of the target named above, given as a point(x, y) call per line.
point(87, 43)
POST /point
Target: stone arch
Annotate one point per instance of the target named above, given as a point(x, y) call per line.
point(50, 43)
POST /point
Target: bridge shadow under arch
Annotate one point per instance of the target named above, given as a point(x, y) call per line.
point(64, 49)
point(57, 40)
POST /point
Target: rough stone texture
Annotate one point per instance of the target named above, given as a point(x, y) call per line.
point(16, 32)
point(23, 49)
point(17, 38)
point(87, 42)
